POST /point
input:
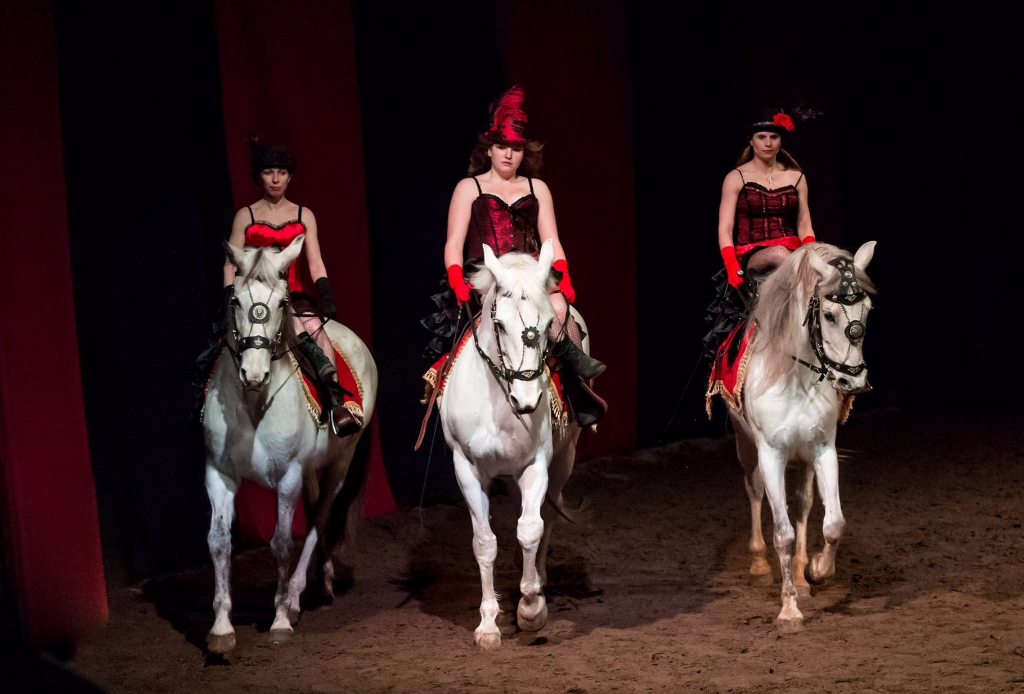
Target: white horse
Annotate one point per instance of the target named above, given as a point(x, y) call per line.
point(496, 415)
point(258, 427)
point(810, 321)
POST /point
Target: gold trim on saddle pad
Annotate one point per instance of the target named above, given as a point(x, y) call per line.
point(559, 413)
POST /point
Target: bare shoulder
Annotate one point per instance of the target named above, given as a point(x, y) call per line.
point(465, 189)
point(242, 215)
point(733, 180)
point(308, 216)
point(540, 186)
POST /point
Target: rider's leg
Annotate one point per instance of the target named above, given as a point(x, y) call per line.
point(567, 340)
point(315, 358)
point(577, 365)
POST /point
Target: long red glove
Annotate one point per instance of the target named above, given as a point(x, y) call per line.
point(458, 284)
point(732, 266)
point(807, 239)
point(565, 285)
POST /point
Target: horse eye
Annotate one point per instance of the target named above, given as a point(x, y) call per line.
point(830, 318)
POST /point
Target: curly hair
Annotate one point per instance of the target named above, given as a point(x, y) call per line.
point(480, 162)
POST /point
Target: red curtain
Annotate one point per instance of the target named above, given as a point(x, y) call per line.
point(288, 73)
point(50, 521)
point(572, 58)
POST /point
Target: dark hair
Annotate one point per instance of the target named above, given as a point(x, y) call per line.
point(479, 162)
point(785, 157)
point(265, 157)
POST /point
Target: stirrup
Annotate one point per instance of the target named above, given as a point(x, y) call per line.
point(345, 420)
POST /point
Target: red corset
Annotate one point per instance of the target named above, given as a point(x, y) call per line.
point(502, 227)
point(263, 234)
point(764, 215)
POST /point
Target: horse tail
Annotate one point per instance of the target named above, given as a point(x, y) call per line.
point(574, 515)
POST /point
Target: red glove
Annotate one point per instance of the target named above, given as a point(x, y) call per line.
point(807, 239)
point(732, 266)
point(565, 285)
point(458, 284)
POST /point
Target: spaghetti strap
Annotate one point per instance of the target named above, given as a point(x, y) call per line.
point(530, 181)
point(479, 190)
point(741, 176)
point(299, 218)
point(252, 217)
point(799, 179)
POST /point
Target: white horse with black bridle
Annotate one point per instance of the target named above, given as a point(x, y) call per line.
point(258, 427)
point(806, 356)
point(496, 415)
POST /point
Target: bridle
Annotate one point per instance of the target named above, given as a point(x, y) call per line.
point(501, 371)
point(259, 314)
point(848, 295)
point(854, 333)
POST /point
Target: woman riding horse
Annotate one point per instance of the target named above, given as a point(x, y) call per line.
point(275, 221)
point(502, 205)
point(763, 216)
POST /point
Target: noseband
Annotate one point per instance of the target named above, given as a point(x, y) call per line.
point(501, 370)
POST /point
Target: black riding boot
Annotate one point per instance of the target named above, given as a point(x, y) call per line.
point(581, 362)
point(343, 421)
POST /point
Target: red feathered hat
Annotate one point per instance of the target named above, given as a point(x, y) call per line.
point(508, 119)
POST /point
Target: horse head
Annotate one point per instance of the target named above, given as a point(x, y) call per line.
point(841, 302)
point(258, 308)
point(514, 339)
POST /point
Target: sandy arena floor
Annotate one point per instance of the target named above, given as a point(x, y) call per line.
point(647, 593)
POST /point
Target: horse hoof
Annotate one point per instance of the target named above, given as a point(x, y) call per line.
point(488, 641)
point(278, 636)
point(761, 580)
point(789, 625)
point(221, 643)
point(809, 577)
point(535, 623)
point(293, 616)
point(803, 591)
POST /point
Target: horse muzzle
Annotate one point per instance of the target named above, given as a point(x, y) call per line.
point(520, 407)
point(848, 386)
point(252, 383)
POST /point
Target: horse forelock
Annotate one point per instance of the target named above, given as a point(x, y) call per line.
point(520, 281)
point(263, 268)
point(782, 306)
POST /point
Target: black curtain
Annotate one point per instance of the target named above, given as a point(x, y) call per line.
point(148, 204)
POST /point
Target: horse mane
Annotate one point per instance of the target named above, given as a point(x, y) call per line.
point(521, 273)
point(782, 306)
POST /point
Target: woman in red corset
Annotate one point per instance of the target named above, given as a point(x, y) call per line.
point(273, 220)
point(502, 205)
point(762, 217)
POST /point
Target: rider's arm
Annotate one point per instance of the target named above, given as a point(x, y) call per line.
point(803, 218)
point(236, 239)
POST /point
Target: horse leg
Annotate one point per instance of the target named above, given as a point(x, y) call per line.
point(558, 474)
point(533, 483)
point(221, 491)
point(753, 482)
point(319, 514)
point(288, 490)
point(823, 566)
point(773, 468)
point(485, 547)
point(804, 502)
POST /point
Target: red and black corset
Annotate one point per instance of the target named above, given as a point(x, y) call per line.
point(503, 227)
point(765, 217)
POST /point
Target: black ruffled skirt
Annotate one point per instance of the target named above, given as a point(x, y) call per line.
point(724, 314)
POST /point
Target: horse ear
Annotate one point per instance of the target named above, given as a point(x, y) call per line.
point(819, 264)
point(291, 252)
point(235, 256)
point(864, 255)
point(547, 256)
point(492, 264)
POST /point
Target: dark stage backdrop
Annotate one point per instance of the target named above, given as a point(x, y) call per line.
point(51, 584)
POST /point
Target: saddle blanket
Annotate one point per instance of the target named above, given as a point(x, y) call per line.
point(729, 373)
point(559, 413)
